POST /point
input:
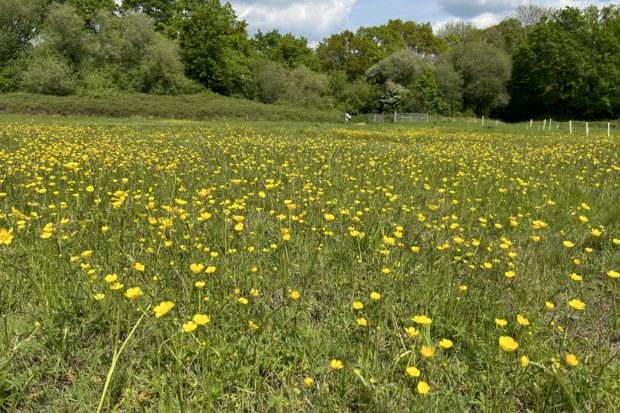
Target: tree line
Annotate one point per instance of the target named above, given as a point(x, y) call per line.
point(537, 62)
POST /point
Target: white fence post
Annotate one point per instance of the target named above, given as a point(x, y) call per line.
point(570, 127)
point(587, 129)
point(608, 129)
point(531, 120)
point(544, 124)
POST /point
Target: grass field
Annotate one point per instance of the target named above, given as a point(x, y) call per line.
point(186, 266)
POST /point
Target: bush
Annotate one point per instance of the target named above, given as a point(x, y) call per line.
point(308, 89)
point(48, 74)
point(271, 81)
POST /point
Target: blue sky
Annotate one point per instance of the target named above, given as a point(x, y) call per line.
point(317, 19)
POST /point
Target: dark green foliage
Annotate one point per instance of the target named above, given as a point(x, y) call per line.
point(355, 53)
point(87, 9)
point(569, 66)
point(19, 24)
point(48, 74)
point(271, 81)
point(450, 85)
point(63, 34)
point(161, 11)
point(397, 35)
point(285, 49)
point(485, 70)
point(348, 53)
point(214, 46)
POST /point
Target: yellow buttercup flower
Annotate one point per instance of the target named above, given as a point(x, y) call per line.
point(133, 293)
point(427, 351)
point(445, 343)
point(577, 304)
point(336, 364)
point(423, 388)
point(571, 360)
point(422, 319)
point(196, 268)
point(163, 308)
point(522, 321)
point(201, 319)
point(6, 236)
point(412, 332)
point(412, 372)
point(189, 327)
point(508, 344)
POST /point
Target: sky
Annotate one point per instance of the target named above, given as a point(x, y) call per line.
point(317, 19)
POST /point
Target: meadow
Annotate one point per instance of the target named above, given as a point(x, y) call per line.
point(186, 266)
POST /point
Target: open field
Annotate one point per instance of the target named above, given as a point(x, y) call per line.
point(184, 266)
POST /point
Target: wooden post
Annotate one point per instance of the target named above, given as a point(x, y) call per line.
point(394, 116)
point(608, 129)
point(531, 120)
point(483, 121)
point(587, 129)
point(544, 124)
point(570, 127)
point(549, 124)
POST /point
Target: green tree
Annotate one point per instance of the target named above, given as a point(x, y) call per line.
point(19, 25)
point(450, 85)
point(458, 33)
point(131, 55)
point(161, 11)
point(285, 48)
point(402, 67)
point(485, 71)
point(214, 46)
point(508, 35)
point(349, 53)
point(569, 66)
point(396, 35)
point(64, 34)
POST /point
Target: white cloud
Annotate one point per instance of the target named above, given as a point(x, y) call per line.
point(481, 21)
point(314, 20)
point(484, 20)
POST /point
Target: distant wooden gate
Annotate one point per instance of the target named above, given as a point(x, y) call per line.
point(376, 118)
point(410, 117)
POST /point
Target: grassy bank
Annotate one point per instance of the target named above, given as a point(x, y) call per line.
point(204, 106)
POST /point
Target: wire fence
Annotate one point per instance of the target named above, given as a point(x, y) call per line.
point(571, 127)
